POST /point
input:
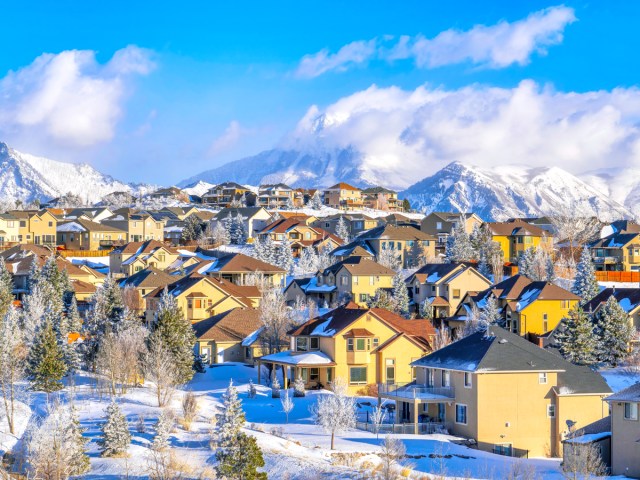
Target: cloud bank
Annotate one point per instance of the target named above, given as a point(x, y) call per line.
point(406, 135)
point(69, 97)
point(495, 46)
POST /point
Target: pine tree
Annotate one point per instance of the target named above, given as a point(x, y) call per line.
point(459, 247)
point(285, 256)
point(220, 234)
point(33, 313)
point(116, 438)
point(342, 229)
point(163, 427)
point(381, 299)
point(6, 289)
point(416, 255)
point(242, 461)
point(526, 263)
point(237, 230)
point(490, 313)
point(426, 310)
point(176, 334)
point(308, 261)
point(46, 365)
point(615, 332)
point(578, 343)
point(192, 228)
point(78, 458)
point(400, 295)
point(231, 420)
point(406, 206)
point(585, 284)
point(298, 387)
point(289, 204)
point(315, 201)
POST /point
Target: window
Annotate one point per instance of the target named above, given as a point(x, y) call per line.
point(564, 304)
point(467, 380)
point(503, 449)
point(551, 411)
point(23, 223)
point(360, 344)
point(314, 343)
point(364, 297)
point(446, 378)
point(358, 375)
point(329, 374)
point(314, 374)
point(391, 370)
point(198, 303)
point(344, 280)
point(372, 280)
point(630, 411)
point(350, 344)
point(456, 293)
point(545, 323)
point(304, 375)
point(461, 414)
point(542, 378)
point(439, 225)
point(302, 344)
point(376, 341)
point(430, 378)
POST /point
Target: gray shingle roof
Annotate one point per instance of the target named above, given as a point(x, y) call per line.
point(629, 394)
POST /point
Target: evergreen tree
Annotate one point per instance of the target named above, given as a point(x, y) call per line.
point(578, 343)
point(400, 295)
point(285, 256)
point(406, 206)
point(416, 255)
point(237, 230)
point(308, 261)
point(459, 247)
point(78, 458)
point(176, 334)
point(231, 420)
point(242, 461)
point(585, 284)
point(46, 365)
point(192, 228)
point(289, 204)
point(342, 229)
point(163, 427)
point(116, 438)
point(615, 332)
point(221, 234)
point(381, 299)
point(34, 307)
point(315, 201)
point(298, 388)
point(6, 289)
point(426, 310)
point(490, 313)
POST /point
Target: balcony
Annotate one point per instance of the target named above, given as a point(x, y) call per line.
point(414, 391)
point(605, 260)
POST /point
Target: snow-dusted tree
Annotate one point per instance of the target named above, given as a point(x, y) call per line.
point(13, 354)
point(45, 362)
point(115, 438)
point(55, 446)
point(426, 309)
point(251, 390)
point(389, 258)
point(490, 313)
point(276, 320)
point(275, 386)
point(163, 428)
point(381, 299)
point(231, 420)
point(315, 201)
point(160, 369)
point(324, 258)
point(400, 295)
point(536, 264)
point(459, 247)
point(237, 230)
point(33, 312)
point(416, 255)
point(585, 284)
point(392, 455)
point(377, 418)
point(615, 332)
point(242, 461)
point(574, 225)
point(190, 409)
point(582, 460)
point(287, 404)
point(577, 339)
point(192, 228)
point(176, 334)
point(288, 205)
point(70, 323)
point(442, 338)
point(335, 412)
point(308, 261)
point(284, 256)
point(298, 387)
point(6, 288)
point(342, 229)
point(265, 250)
point(220, 235)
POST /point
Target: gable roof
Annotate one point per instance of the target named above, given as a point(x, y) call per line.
point(628, 298)
point(86, 226)
point(140, 248)
point(235, 263)
point(357, 265)
point(232, 326)
point(435, 272)
point(343, 186)
point(616, 240)
point(629, 394)
point(150, 277)
point(516, 227)
point(394, 232)
point(245, 212)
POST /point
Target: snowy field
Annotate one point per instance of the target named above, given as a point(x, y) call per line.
point(297, 450)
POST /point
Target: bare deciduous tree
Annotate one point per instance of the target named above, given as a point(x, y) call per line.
point(574, 225)
point(13, 354)
point(392, 454)
point(189, 409)
point(335, 412)
point(160, 369)
point(276, 319)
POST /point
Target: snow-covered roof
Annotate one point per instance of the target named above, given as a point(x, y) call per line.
point(588, 438)
point(299, 358)
point(251, 338)
point(313, 287)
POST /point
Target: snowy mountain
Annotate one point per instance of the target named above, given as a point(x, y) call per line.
point(510, 191)
point(199, 188)
point(621, 184)
point(27, 177)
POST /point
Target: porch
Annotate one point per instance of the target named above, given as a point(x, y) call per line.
point(315, 368)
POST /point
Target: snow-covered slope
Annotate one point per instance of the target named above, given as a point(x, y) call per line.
point(621, 184)
point(199, 188)
point(509, 191)
point(27, 177)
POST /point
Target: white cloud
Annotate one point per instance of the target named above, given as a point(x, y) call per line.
point(69, 96)
point(229, 138)
point(495, 46)
point(404, 136)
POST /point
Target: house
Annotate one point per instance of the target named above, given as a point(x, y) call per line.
point(442, 224)
point(136, 256)
point(300, 234)
point(227, 194)
point(355, 278)
point(592, 439)
point(36, 226)
point(503, 393)
point(362, 345)
point(9, 230)
point(231, 336)
point(278, 196)
point(82, 234)
point(400, 240)
point(400, 219)
point(253, 218)
point(140, 226)
point(627, 298)
point(380, 198)
point(445, 285)
point(170, 193)
point(356, 223)
point(619, 252)
point(625, 431)
point(146, 281)
point(517, 236)
point(201, 297)
point(353, 250)
point(529, 309)
point(95, 214)
point(343, 197)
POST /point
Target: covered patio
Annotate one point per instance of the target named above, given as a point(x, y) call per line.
point(315, 368)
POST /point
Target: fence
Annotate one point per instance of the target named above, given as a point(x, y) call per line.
point(428, 428)
point(626, 277)
point(84, 253)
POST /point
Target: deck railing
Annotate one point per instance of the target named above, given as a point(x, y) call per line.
point(415, 391)
point(428, 428)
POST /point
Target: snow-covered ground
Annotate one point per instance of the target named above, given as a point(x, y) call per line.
point(620, 378)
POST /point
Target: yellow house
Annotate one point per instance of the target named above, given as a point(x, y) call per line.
point(356, 223)
point(355, 278)
point(617, 252)
point(237, 268)
point(300, 234)
point(136, 256)
point(527, 308)
point(82, 234)
point(200, 297)
point(9, 230)
point(146, 281)
point(231, 336)
point(444, 285)
point(517, 236)
point(627, 298)
point(507, 395)
point(38, 227)
point(363, 346)
point(380, 198)
point(625, 431)
point(140, 227)
point(226, 194)
point(344, 197)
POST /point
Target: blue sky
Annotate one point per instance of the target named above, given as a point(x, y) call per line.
point(197, 84)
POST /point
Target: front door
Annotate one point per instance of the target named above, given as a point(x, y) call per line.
point(205, 352)
point(220, 355)
point(405, 415)
point(391, 371)
point(36, 239)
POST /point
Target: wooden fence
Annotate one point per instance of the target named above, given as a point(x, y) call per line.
point(84, 253)
point(626, 277)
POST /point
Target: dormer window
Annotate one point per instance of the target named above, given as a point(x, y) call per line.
point(305, 344)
